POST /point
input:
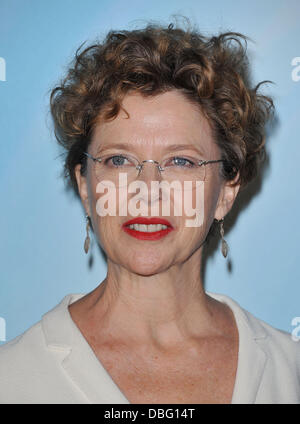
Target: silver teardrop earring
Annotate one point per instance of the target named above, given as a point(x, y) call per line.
point(224, 247)
point(87, 239)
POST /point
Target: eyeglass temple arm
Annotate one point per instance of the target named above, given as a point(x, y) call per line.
point(92, 157)
point(204, 162)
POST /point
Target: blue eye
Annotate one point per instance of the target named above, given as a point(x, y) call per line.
point(182, 162)
point(117, 160)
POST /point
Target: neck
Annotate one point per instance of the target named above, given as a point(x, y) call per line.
point(164, 309)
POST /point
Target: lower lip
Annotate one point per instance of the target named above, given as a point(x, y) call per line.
point(142, 235)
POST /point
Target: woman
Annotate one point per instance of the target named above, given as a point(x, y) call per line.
point(155, 105)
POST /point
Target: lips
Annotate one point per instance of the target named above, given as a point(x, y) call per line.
point(156, 228)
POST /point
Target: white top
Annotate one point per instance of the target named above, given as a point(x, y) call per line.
point(52, 362)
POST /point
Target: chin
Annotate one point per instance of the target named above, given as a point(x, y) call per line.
point(146, 263)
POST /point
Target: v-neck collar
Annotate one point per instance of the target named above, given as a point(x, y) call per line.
point(80, 361)
point(97, 386)
point(251, 356)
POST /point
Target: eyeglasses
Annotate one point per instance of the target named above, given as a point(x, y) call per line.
point(174, 168)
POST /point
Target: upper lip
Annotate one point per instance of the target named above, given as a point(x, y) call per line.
point(148, 221)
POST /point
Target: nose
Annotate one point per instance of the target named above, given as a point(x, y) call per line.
point(146, 173)
point(149, 172)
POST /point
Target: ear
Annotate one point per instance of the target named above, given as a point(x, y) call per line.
point(82, 188)
point(227, 197)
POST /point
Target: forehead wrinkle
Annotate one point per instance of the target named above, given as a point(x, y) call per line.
point(134, 146)
point(156, 124)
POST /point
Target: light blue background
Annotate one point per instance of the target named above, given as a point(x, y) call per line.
point(42, 226)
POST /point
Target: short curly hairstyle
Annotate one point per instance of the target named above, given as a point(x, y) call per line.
point(212, 72)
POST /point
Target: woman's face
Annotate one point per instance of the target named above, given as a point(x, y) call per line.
point(154, 126)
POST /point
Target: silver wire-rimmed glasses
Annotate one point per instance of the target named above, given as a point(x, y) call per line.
point(179, 168)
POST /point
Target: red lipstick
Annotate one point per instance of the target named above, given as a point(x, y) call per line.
point(144, 235)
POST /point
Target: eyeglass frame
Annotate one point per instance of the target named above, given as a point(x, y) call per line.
point(140, 165)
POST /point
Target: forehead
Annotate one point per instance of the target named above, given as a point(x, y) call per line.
point(165, 119)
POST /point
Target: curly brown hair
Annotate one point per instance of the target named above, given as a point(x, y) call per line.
point(212, 72)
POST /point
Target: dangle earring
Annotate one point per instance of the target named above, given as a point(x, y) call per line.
point(224, 247)
point(87, 239)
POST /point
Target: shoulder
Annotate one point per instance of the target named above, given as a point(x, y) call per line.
point(23, 361)
point(269, 360)
point(277, 344)
point(24, 346)
point(33, 343)
point(30, 365)
point(280, 381)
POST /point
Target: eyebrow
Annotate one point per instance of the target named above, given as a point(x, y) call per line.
point(172, 147)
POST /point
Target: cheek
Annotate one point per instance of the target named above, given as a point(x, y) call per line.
point(197, 205)
point(202, 202)
point(192, 238)
point(211, 196)
point(102, 201)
